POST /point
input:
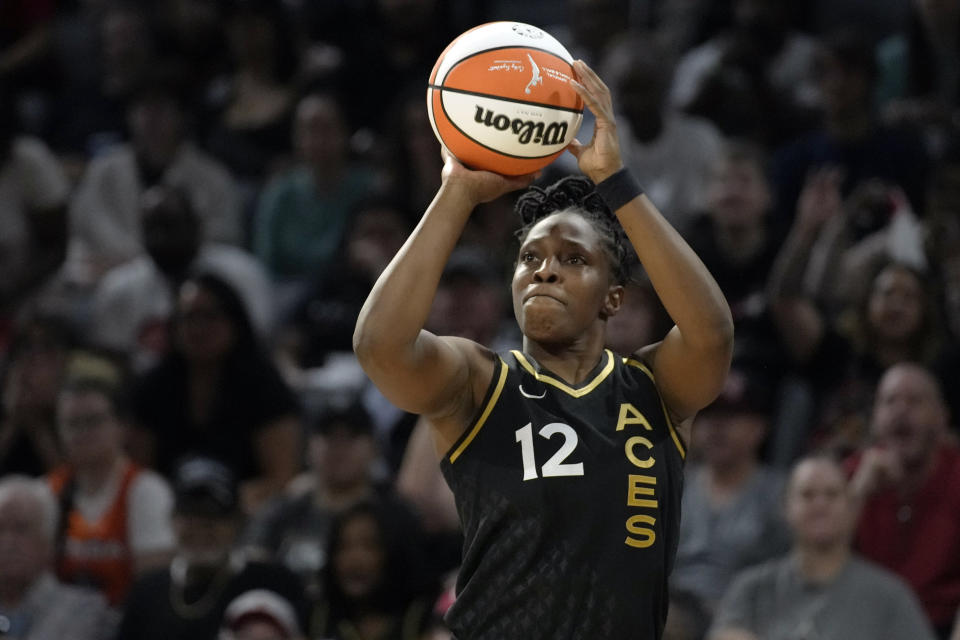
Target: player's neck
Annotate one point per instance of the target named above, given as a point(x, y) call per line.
point(571, 363)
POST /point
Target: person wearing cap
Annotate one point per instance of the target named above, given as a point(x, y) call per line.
point(471, 302)
point(260, 614)
point(731, 514)
point(341, 453)
point(187, 599)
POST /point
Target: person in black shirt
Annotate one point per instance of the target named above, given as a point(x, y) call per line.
point(217, 393)
point(187, 599)
point(565, 460)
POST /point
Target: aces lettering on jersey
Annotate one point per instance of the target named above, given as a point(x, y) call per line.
point(641, 487)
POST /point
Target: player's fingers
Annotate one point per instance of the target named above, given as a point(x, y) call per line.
point(575, 147)
point(584, 93)
point(521, 182)
point(448, 157)
point(589, 78)
point(598, 108)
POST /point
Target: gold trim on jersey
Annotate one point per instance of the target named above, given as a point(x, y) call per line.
point(483, 416)
point(563, 386)
point(633, 362)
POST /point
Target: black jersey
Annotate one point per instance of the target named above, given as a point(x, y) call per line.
point(569, 498)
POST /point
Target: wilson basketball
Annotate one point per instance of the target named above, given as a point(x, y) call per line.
point(500, 98)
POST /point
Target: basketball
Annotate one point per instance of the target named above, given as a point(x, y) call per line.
point(500, 99)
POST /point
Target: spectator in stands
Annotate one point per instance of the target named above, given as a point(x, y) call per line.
point(33, 604)
point(295, 528)
point(260, 614)
point(114, 515)
point(642, 320)
point(105, 221)
point(890, 317)
point(850, 137)
point(755, 79)
point(738, 241)
point(687, 618)
point(374, 586)
point(25, 28)
point(396, 46)
point(412, 161)
point(133, 301)
point(302, 213)
point(33, 208)
point(188, 599)
point(731, 502)
point(470, 301)
point(251, 131)
point(104, 51)
point(820, 589)
point(675, 152)
point(917, 83)
point(34, 369)
point(908, 482)
point(943, 243)
point(217, 393)
point(323, 321)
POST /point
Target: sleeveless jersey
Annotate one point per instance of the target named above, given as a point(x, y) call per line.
point(96, 553)
point(569, 499)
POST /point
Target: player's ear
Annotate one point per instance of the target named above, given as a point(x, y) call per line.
point(612, 302)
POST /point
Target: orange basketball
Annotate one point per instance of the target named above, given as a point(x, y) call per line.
point(500, 98)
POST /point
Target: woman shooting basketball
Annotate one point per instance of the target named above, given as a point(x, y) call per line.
point(565, 460)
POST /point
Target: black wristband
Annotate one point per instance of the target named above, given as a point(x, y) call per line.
point(619, 189)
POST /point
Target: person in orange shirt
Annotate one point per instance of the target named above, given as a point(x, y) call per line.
point(115, 515)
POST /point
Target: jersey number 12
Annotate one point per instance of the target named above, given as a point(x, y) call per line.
point(555, 466)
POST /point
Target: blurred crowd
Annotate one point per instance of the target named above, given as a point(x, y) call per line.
point(197, 195)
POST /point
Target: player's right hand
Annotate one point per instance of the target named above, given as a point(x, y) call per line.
point(480, 186)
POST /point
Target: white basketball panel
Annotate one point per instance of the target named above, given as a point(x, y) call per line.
point(512, 128)
point(500, 34)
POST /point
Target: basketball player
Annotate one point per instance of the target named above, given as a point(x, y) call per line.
point(565, 459)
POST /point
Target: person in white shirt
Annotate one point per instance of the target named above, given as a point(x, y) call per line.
point(33, 203)
point(134, 300)
point(673, 151)
point(105, 224)
point(116, 516)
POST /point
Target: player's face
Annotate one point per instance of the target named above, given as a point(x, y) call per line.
point(562, 283)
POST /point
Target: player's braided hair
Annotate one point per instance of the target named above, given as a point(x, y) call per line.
point(577, 194)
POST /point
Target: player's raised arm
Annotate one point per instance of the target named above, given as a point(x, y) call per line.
point(691, 363)
point(416, 370)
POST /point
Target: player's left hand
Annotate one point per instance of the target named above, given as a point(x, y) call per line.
point(600, 158)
